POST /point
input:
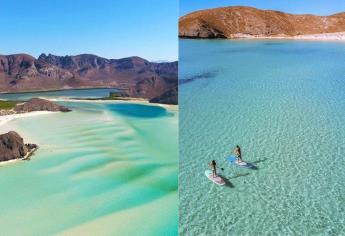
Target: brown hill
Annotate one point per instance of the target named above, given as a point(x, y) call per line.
point(233, 22)
point(169, 97)
point(39, 104)
point(139, 77)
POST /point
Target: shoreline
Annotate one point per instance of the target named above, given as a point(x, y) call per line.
point(6, 118)
point(127, 100)
point(25, 158)
point(13, 161)
point(324, 37)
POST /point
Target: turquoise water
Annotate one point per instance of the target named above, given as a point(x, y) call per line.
point(283, 102)
point(71, 93)
point(103, 169)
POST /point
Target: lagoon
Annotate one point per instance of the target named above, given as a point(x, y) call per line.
point(103, 169)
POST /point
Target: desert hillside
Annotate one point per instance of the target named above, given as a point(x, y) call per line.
point(235, 22)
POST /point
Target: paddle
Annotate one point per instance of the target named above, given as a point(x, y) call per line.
point(222, 169)
point(222, 164)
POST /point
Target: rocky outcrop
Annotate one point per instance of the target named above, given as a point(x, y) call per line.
point(39, 104)
point(4, 112)
point(237, 22)
point(169, 97)
point(22, 72)
point(12, 147)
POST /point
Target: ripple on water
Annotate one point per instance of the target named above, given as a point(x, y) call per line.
point(96, 162)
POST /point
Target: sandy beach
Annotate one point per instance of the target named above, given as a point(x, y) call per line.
point(329, 37)
point(7, 118)
point(340, 36)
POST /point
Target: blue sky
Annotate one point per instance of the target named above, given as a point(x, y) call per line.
point(318, 7)
point(108, 28)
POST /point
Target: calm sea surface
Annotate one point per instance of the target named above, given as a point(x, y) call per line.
point(283, 102)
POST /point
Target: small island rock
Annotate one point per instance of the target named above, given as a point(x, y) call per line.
point(39, 104)
point(12, 146)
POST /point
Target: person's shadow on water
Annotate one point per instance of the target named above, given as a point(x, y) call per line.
point(254, 167)
point(227, 181)
point(260, 160)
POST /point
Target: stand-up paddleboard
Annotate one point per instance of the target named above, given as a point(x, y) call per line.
point(217, 180)
point(233, 160)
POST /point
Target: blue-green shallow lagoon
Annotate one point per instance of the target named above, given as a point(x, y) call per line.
point(283, 102)
point(105, 168)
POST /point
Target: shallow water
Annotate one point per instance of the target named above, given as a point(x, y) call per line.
point(103, 169)
point(283, 102)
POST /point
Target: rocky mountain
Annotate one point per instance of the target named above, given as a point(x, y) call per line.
point(12, 146)
point(137, 76)
point(38, 104)
point(235, 22)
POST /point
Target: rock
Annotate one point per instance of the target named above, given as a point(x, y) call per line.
point(31, 146)
point(169, 97)
point(64, 109)
point(234, 22)
point(38, 104)
point(12, 146)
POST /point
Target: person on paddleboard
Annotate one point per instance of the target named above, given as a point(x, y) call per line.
point(237, 152)
point(213, 165)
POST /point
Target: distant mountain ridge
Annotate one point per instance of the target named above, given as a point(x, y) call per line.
point(239, 21)
point(137, 76)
